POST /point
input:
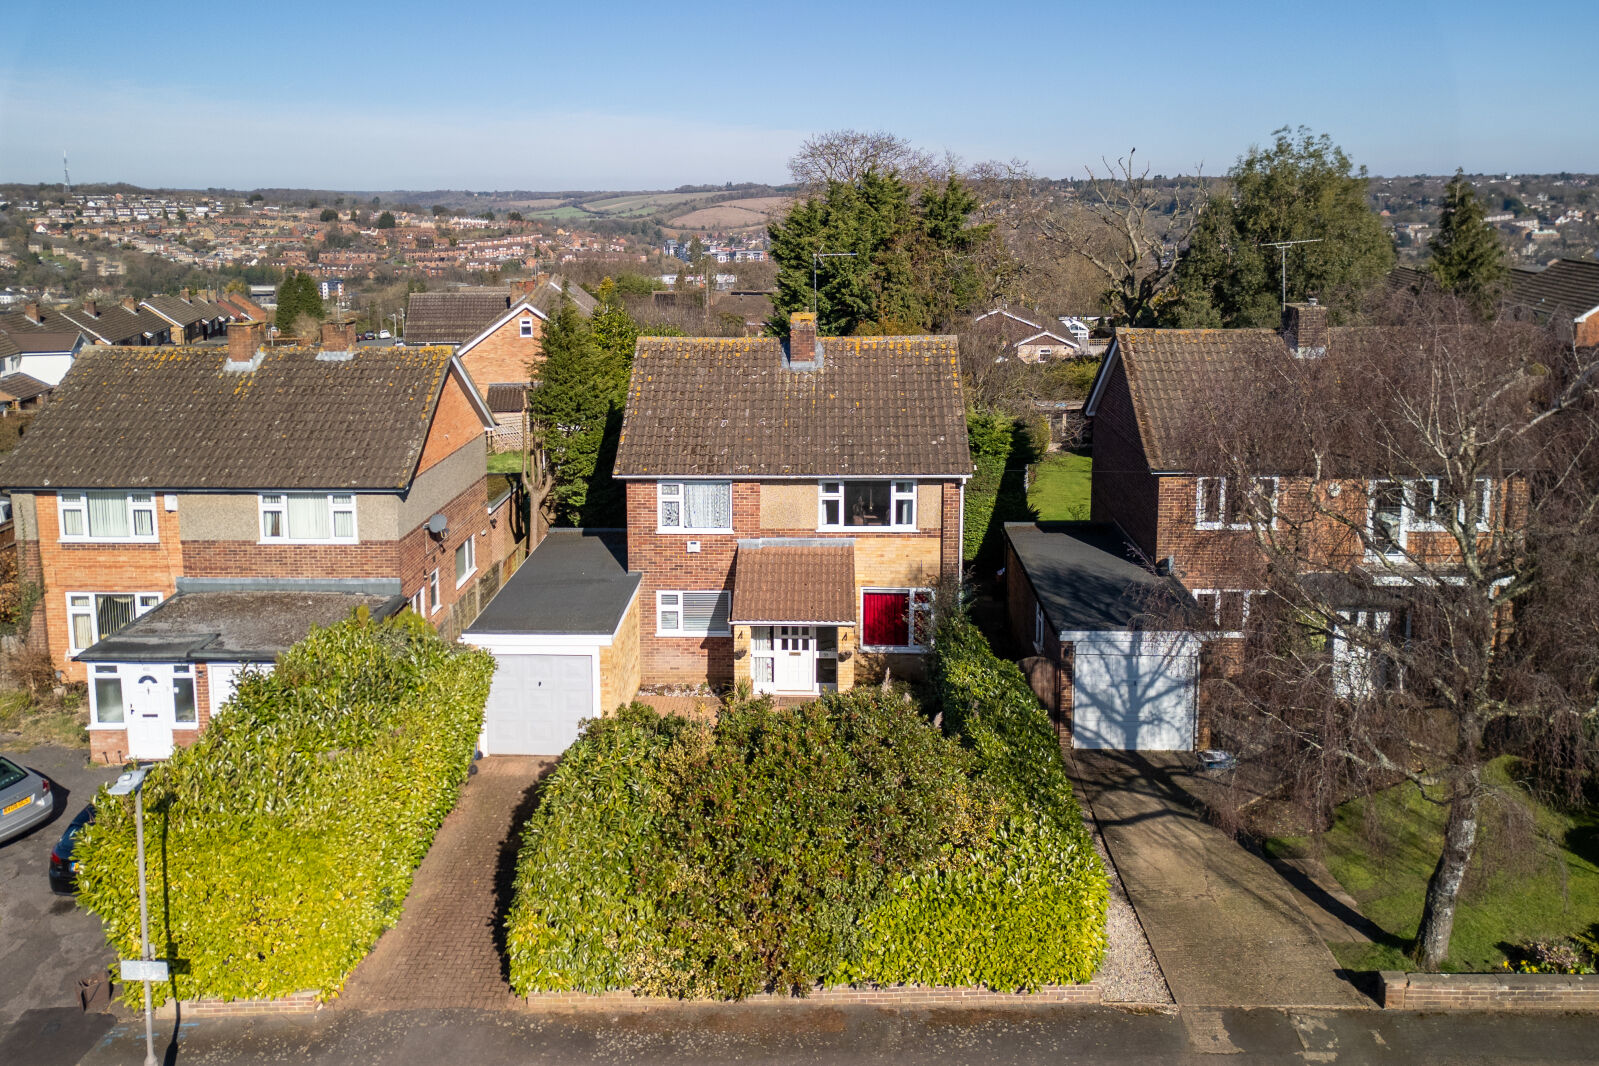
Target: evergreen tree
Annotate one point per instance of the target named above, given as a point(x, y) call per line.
point(298, 296)
point(570, 408)
point(1302, 188)
point(385, 220)
point(1467, 258)
point(907, 269)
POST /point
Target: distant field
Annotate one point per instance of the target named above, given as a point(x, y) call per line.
point(560, 214)
point(760, 203)
point(535, 205)
point(642, 203)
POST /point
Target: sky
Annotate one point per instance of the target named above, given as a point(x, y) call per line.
point(364, 95)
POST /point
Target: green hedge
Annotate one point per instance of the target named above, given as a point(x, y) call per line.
point(1027, 907)
point(282, 843)
point(842, 841)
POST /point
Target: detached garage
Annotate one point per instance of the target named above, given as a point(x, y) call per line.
point(1114, 657)
point(564, 631)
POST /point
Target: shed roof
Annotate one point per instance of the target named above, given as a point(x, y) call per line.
point(795, 580)
point(575, 583)
point(1086, 576)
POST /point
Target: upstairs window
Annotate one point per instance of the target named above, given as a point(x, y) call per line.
point(107, 515)
point(703, 506)
point(308, 517)
point(93, 616)
point(1387, 525)
point(887, 504)
point(527, 327)
point(1230, 503)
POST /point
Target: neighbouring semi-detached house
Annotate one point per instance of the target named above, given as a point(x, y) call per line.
point(1085, 589)
point(792, 509)
point(191, 512)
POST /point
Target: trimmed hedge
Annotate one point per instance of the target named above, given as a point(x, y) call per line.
point(282, 842)
point(842, 841)
point(1026, 907)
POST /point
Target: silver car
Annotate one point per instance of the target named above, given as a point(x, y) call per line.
point(25, 799)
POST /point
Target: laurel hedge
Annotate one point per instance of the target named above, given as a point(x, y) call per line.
point(282, 842)
point(843, 841)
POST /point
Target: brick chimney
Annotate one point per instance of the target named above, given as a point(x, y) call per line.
point(244, 340)
point(183, 294)
point(803, 347)
point(31, 310)
point(523, 287)
point(1305, 329)
point(130, 304)
point(91, 309)
point(338, 336)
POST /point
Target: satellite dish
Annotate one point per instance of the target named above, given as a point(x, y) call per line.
point(438, 525)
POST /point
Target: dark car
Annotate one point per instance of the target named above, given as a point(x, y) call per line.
point(369, 336)
point(25, 799)
point(63, 869)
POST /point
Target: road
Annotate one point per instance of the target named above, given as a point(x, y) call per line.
point(822, 1036)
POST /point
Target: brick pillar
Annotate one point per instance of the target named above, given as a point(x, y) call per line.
point(848, 655)
point(741, 656)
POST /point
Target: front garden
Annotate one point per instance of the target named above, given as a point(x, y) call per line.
point(847, 841)
point(1532, 895)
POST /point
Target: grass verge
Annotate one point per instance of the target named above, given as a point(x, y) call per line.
point(1060, 491)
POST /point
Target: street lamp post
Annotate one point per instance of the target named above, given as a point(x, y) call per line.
point(147, 970)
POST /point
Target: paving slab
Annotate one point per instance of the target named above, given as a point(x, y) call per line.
point(445, 951)
point(1227, 930)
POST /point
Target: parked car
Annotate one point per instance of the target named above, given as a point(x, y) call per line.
point(25, 799)
point(63, 869)
point(369, 336)
point(383, 334)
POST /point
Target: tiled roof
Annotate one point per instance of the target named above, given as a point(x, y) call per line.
point(720, 407)
point(794, 581)
point(46, 342)
point(22, 386)
point(179, 310)
point(174, 418)
point(1564, 289)
point(114, 325)
point(505, 398)
point(452, 317)
point(1086, 576)
point(547, 297)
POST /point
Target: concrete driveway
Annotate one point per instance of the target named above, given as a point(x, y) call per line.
point(1225, 928)
point(46, 943)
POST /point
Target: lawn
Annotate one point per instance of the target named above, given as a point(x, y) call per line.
point(1536, 873)
point(1060, 487)
point(505, 462)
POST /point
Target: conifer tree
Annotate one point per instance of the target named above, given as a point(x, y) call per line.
point(1467, 258)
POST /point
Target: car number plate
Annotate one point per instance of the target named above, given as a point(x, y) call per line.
point(17, 806)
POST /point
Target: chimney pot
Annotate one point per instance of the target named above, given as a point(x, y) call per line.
point(1305, 329)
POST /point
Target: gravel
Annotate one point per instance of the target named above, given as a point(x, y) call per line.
point(1129, 973)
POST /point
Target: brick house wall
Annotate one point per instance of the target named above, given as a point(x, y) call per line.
point(619, 663)
point(1122, 490)
point(910, 559)
point(505, 355)
point(1054, 686)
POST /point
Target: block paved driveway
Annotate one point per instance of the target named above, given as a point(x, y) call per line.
point(1227, 930)
point(446, 949)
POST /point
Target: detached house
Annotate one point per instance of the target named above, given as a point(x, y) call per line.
point(792, 509)
point(191, 512)
point(1171, 552)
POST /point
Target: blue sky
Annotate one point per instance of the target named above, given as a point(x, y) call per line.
point(367, 95)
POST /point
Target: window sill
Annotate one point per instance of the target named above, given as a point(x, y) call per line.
point(873, 529)
point(887, 649)
point(679, 531)
point(110, 540)
point(464, 578)
point(286, 542)
point(693, 636)
point(107, 726)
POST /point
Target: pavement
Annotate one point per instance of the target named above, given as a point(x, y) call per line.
point(446, 949)
point(802, 1035)
point(47, 944)
point(1226, 928)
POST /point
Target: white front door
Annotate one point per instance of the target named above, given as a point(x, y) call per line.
point(147, 694)
point(794, 649)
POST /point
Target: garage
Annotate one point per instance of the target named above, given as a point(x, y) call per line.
point(564, 635)
point(1133, 691)
point(1114, 654)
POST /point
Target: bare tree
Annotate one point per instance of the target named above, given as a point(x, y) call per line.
point(1421, 498)
point(846, 155)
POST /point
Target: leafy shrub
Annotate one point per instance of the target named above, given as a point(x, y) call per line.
point(282, 843)
point(1027, 907)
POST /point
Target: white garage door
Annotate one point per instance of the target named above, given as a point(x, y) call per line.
point(536, 703)
point(1133, 698)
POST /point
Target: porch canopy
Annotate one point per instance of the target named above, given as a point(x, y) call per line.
point(795, 581)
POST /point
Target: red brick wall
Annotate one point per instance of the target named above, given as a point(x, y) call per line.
point(248, 558)
point(1123, 490)
point(419, 553)
point(504, 355)
point(455, 424)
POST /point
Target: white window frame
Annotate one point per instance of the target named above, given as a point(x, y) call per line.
point(435, 601)
point(105, 672)
point(526, 327)
point(671, 600)
point(143, 603)
point(900, 491)
point(78, 503)
point(470, 546)
point(910, 628)
point(1219, 521)
point(419, 600)
point(1249, 596)
point(278, 503)
point(672, 492)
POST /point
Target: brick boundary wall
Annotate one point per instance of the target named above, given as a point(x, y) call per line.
point(910, 996)
point(298, 1003)
point(1490, 991)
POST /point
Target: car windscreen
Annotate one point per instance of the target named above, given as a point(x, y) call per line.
point(10, 773)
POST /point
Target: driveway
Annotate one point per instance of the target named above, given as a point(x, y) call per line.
point(446, 949)
point(46, 943)
point(1225, 927)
